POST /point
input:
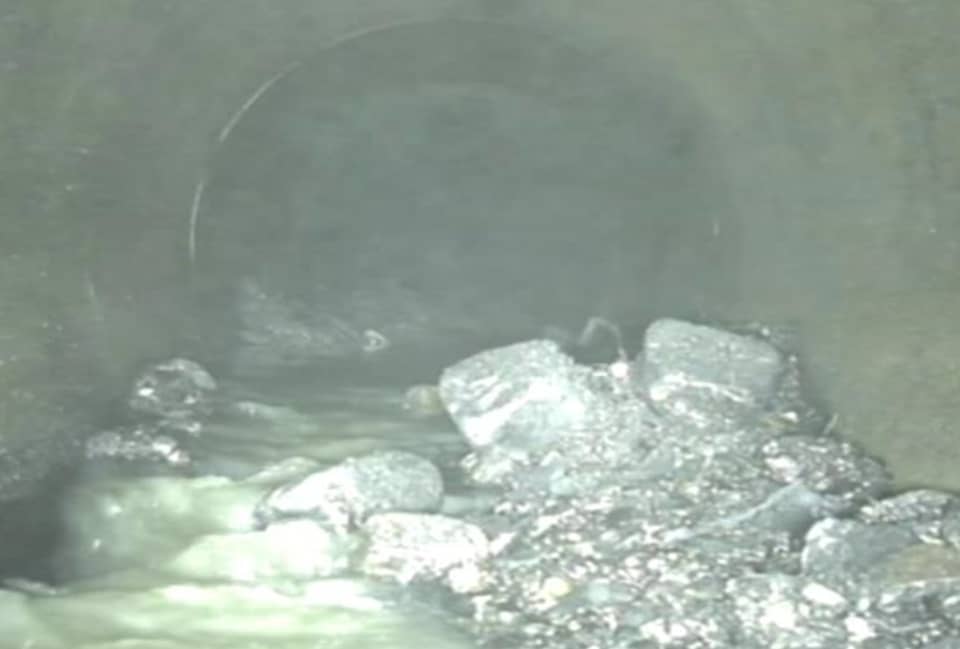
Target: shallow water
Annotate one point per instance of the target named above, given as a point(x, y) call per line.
point(324, 424)
point(174, 562)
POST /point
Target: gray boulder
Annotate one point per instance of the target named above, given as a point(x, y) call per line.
point(691, 370)
point(425, 547)
point(178, 392)
point(347, 493)
point(528, 395)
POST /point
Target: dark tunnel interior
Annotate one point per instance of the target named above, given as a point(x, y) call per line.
point(513, 185)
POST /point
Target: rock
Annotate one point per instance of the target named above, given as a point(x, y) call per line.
point(951, 528)
point(178, 391)
point(843, 548)
point(408, 547)
point(790, 510)
point(658, 506)
point(925, 608)
point(920, 562)
point(137, 443)
point(349, 492)
point(690, 369)
point(916, 506)
point(827, 465)
point(684, 499)
point(538, 420)
point(526, 395)
point(784, 612)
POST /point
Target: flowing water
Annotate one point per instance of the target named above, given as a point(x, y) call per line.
point(814, 148)
point(169, 560)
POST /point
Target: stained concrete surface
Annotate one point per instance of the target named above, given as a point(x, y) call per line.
point(834, 128)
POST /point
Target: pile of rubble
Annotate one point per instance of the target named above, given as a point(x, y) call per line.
point(688, 497)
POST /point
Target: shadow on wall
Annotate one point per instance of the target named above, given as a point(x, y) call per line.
point(508, 180)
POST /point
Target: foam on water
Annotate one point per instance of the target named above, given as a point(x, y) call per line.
point(176, 562)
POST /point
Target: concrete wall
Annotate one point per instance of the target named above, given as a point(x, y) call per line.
point(836, 127)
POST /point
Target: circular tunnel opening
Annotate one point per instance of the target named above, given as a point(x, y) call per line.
point(406, 198)
point(431, 187)
point(414, 193)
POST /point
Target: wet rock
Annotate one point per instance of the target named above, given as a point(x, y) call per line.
point(919, 562)
point(540, 421)
point(691, 370)
point(178, 391)
point(497, 465)
point(407, 547)
point(917, 506)
point(349, 492)
point(827, 465)
point(786, 612)
point(691, 498)
point(686, 499)
point(839, 549)
point(790, 510)
point(918, 613)
point(951, 528)
point(525, 395)
point(142, 443)
point(893, 541)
